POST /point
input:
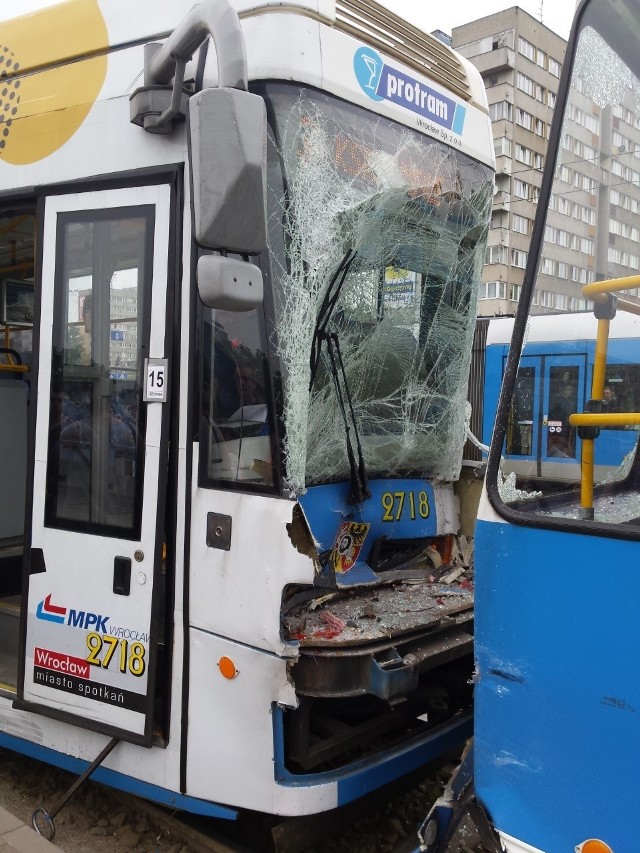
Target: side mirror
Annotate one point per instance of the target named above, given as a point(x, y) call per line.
point(228, 283)
point(228, 140)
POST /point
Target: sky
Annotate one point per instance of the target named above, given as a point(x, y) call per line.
point(431, 15)
point(442, 15)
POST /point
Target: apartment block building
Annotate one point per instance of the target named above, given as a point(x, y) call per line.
point(520, 60)
point(592, 228)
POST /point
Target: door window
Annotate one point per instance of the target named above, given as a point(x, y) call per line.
point(96, 429)
point(563, 402)
point(521, 414)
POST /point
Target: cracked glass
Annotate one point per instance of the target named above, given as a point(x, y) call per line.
point(390, 328)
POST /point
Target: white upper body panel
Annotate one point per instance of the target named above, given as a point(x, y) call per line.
point(71, 119)
point(563, 327)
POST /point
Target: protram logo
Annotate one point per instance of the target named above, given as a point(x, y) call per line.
point(381, 82)
point(368, 66)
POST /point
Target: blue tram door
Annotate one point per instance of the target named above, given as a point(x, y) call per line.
point(539, 437)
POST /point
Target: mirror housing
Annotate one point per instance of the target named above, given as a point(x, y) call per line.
point(228, 143)
point(228, 283)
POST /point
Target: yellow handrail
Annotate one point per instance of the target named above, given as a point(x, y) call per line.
point(605, 419)
point(629, 282)
point(14, 368)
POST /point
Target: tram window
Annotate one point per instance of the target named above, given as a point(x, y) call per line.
point(96, 435)
point(520, 427)
point(235, 431)
point(622, 388)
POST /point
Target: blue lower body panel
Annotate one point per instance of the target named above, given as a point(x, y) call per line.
point(557, 699)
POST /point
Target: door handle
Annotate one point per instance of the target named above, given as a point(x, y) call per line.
point(122, 575)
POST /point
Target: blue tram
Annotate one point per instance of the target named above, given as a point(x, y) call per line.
point(554, 379)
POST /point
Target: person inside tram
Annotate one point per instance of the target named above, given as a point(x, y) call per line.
point(561, 436)
point(609, 400)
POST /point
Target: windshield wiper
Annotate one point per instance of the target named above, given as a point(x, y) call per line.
point(359, 485)
point(326, 310)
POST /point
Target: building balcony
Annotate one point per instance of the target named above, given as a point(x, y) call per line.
point(495, 60)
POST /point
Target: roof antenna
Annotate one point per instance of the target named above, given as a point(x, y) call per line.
point(541, 10)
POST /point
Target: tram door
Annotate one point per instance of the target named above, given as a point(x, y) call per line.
point(95, 555)
point(548, 390)
point(522, 434)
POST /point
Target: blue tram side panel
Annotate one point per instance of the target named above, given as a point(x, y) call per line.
point(554, 380)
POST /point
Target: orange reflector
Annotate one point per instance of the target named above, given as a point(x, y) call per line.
point(593, 845)
point(228, 668)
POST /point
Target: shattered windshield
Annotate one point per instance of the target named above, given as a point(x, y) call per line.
point(411, 216)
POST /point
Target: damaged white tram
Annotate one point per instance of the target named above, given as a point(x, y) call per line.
point(238, 299)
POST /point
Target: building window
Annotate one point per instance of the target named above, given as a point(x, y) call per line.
point(527, 49)
point(525, 84)
point(577, 304)
point(564, 174)
point(520, 224)
point(492, 290)
point(524, 155)
point(500, 110)
point(524, 119)
point(520, 188)
point(590, 122)
point(554, 67)
point(564, 206)
point(502, 146)
point(496, 255)
point(518, 258)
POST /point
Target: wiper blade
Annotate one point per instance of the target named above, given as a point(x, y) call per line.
point(359, 484)
point(326, 310)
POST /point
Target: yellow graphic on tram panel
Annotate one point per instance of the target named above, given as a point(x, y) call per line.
point(50, 77)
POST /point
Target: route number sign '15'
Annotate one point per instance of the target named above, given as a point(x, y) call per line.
point(156, 380)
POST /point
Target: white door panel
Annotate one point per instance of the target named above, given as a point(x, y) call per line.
point(96, 534)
